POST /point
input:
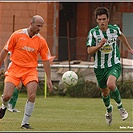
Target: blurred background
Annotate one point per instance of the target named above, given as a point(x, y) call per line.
point(65, 30)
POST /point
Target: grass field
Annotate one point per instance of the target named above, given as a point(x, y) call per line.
point(54, 114)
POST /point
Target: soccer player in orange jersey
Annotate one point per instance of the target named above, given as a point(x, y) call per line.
point(25, 45)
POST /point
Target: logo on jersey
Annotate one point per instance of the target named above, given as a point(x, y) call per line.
point(22, 38)
point(29, 49)
point(106, 49)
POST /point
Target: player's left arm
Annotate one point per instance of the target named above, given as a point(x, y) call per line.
point(47, 69)
point(123, 39)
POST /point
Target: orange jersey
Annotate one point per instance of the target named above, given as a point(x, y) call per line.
point(24, 50)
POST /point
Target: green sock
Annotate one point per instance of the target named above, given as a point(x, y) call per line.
point(106, 101)
point(14, 98)
point(116, 96)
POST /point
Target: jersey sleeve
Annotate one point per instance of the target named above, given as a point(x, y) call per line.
point(117, 29)
point(90, 39)
point(9, 46)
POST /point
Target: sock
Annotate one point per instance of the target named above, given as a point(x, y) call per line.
point(29, 106)
point(106, 101)
point(116, 96)
point(14, 98)
point(4, 104)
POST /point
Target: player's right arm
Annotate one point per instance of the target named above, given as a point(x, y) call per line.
point(6, 63)
point(93, 49)
point(9, 46)
point(3, 54)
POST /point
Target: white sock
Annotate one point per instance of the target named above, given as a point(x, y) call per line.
point(29, 106)
point(4, 104)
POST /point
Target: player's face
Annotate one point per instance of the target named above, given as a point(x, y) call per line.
point(36, 26)
point(102, 21)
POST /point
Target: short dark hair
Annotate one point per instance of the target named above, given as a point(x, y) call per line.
point(101, 11)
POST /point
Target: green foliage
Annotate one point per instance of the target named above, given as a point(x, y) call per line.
point(125, 88)
point(90, 89)
point(40, 88)
point(83, 89)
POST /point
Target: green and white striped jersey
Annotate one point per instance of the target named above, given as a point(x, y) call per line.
point(109, 54)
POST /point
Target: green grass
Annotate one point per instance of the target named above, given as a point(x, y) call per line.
point(68, 114)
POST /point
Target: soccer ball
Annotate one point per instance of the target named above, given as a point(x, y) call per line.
point(70, 78)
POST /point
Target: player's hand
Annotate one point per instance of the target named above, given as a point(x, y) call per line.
point(131, 51)
point(50, 85)
point(102, 42)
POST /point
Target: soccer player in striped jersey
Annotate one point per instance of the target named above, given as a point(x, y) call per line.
point(102, 43)
point(25, 45)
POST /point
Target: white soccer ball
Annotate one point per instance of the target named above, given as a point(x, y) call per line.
point(70, 78)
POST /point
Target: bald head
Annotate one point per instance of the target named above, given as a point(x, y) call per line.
point(37, 18)
point(36, 24)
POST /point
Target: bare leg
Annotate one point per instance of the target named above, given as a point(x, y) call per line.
point(29, 106)
point(7, 93)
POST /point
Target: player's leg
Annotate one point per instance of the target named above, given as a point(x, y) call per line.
point(7, 93)
point(101, 75)
point(117, 97)
point(109, 108)
point(106, 99)
point(30, 81)
point(29, 106)
point(111, 83)
point(14, 98)
point(10, 82)
point(114, 90)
